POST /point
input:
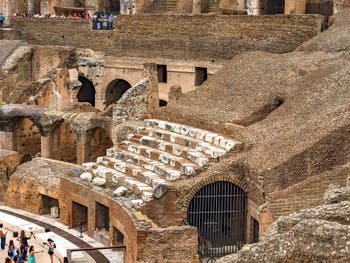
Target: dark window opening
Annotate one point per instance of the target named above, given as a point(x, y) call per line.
point(162, 103)
point(275, 7)
point(162, 73)
point(49, 205)
point(87, 91)
point(255, 230)
point(201, 75)
point(79, 217)
point(101, 217)
point(118, 237)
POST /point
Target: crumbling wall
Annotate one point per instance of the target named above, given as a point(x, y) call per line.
point(9, 161)
point(209, 37)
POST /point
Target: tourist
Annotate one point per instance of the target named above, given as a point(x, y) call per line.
point(12, 251)
point(32, 252)
point(75, 15)
point(110, 20)
point(7, 260)
point(3, 232)
point(51, 250)
point(23, 239)
point(2, 20)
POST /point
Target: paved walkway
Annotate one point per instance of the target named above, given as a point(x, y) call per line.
point(71, 235)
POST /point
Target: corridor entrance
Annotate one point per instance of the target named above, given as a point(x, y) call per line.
point(219, 212)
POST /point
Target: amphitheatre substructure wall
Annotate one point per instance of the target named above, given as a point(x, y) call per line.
point(210, 37)
point(9, 160)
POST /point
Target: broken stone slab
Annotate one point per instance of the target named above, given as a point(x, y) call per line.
point(147, 196)
point(120, 191)
point(136, 202)
point(160, 190)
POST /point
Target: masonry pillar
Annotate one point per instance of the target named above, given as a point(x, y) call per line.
point(46, 146)
point(150, 73)
point(81, 147)
point(8, 11)
point(196, 9)
point(7, 140)
point(254, 7)
point(30, 7)
point(295, 7)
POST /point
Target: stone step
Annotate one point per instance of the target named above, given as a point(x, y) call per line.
point(157, 167)
point(185, 166)
point(195, 156)
point(202, 135)
point(208, 148)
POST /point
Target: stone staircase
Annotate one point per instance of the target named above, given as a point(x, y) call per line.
point(158, 154)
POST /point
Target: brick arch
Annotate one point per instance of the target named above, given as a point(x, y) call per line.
point(208, 180)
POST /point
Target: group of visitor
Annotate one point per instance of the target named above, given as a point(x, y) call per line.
point(100, 20)
point(24, 252)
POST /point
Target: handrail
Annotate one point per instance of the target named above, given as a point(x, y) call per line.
point(70, 251)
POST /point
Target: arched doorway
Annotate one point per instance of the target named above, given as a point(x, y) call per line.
point(87, 91)
point(115, 90)
point(64, 143)
point(163, 103)
point(28, 140)
point(219, 212)
point(109, 6)
point(99, 142)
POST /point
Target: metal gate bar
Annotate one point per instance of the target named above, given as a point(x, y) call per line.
point(219, 212)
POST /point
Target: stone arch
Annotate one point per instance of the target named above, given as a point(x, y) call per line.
point(115, 90)
point(64, 143)
point(274, 7)
point(28, 139)
point(99, 141)
point(109, 5)
point(87, 91)
point(208, 180)
point(219, 211)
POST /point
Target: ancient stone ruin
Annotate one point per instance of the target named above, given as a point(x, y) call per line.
point(189, 130)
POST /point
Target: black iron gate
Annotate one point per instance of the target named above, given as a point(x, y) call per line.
point(219, 212)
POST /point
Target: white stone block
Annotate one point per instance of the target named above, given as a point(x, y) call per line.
point(88, 165)
point(209, 137)
point(147, 196)
point(200, 134)
point(137, 202)
point(184, 130)
point(120, 191)
point(86, 176)
point(99, 181)
point(129, 136)
point(172, 175)
point(217, 140)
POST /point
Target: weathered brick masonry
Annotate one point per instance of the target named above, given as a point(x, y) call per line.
point(208, 37)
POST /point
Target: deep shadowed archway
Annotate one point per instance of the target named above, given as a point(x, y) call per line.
point(115, 90)
point(99, 141)
point(109, 5)
point(87, 91)
point(219, 212)
point(64, 143)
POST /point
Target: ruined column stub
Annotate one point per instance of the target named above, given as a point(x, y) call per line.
point(196, 9)
point(81, 147)
point(150, 73)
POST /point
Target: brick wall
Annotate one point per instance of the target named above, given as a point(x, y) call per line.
point(118, 216)
point(173, 244)
point(208, 37)
point(305, 194)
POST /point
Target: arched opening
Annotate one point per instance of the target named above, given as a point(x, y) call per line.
point(99, 141)
point(219, 212)
point(115, 90)
point(162, 103)
point(109, 6)
point(274, 7)
point(87, 91)
point(118, 237)
point(64, 143)
point(28, 140)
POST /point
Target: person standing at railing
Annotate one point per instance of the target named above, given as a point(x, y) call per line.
point(2, 20)
point(110, 21)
